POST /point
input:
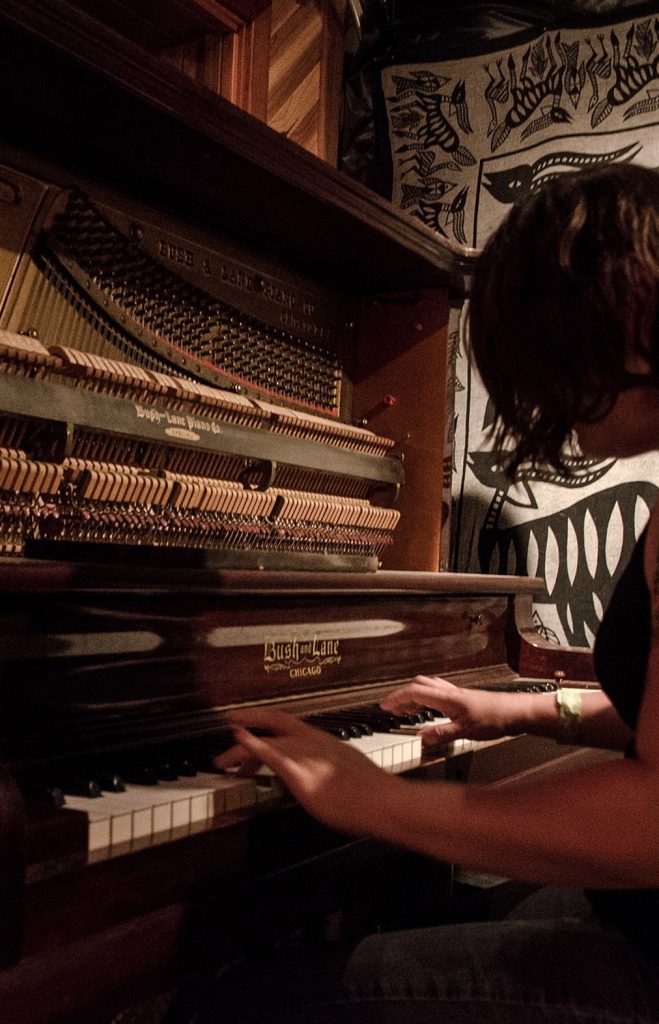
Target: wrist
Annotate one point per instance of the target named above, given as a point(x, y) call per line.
point(522, 713)
point(537, 715)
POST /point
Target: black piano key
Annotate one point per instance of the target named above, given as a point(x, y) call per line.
point(337, 725)
point(351, 718)
point(334, 729)
point(148, 771)
point(354, 728)
point(520, 686)
point(174, 759)
point(80, 785)
point(205, 762)
point(109, 780)
point(111, 783)
point(139, 774)
point(383, 721)
point(165, 771)
point(364, 727)
point(213, 744)
point(201, 753)
point(410, 717)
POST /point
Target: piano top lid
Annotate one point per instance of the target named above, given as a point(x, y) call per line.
point(33, 576)
point(77, 93)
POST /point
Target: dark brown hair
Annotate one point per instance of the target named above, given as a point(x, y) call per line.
point(563, 290)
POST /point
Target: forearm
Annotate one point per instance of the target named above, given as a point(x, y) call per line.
point(595, 827)
point(476, 714)
point(601, 726)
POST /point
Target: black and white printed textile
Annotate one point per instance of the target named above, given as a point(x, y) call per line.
point(467, 137)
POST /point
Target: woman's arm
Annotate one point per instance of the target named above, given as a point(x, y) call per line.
point(596, 826)
point(480, 714)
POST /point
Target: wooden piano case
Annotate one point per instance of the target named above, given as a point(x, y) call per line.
point(127, 641)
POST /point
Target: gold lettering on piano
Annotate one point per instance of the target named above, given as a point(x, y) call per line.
point(247, 282)
point(299, 324)
point(300, 658)
point(182, 433)
point(175, 253)
point(177, 425)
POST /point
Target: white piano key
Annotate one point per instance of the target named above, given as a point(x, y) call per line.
point(142, 816)
point(100, 830)
point(391, 751)
point(224, 793)
point(417, 727)
point(142, 828)
point(162, 822)
point(142, 822)
point(99, 825)
point(121, 832)
point(110, 823)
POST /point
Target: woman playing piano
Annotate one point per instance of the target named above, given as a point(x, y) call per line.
point(565, 332)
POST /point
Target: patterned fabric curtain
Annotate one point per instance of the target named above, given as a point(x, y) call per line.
point(466, 137)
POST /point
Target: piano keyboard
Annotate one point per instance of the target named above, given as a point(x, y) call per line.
point(176, 792)
point(143, 815)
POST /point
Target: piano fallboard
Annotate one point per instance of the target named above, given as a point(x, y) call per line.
point(119, 654)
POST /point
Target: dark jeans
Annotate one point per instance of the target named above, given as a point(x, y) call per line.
point(548, 962)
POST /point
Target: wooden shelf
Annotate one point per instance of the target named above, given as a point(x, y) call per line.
point(158, 24)
point(280, 60)
point(108, 109)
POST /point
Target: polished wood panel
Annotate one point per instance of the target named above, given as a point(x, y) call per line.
point(214, 639)
point(306, 63)
point(400, 390)
point(12, 868)
point(281, 62)
point(533, 655)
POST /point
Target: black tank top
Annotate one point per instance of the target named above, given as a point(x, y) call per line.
point(622, 648)
point(622, 645)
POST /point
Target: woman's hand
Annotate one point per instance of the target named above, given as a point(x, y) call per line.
point(473, 714)
point(332, 780)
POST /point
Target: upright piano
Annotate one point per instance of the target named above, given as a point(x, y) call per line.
point(223, 481)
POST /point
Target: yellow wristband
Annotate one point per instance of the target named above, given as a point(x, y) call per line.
point(568, 706)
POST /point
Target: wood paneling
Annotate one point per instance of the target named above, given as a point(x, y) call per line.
point(294, 83)
point(281, 62)
point(400, 393)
